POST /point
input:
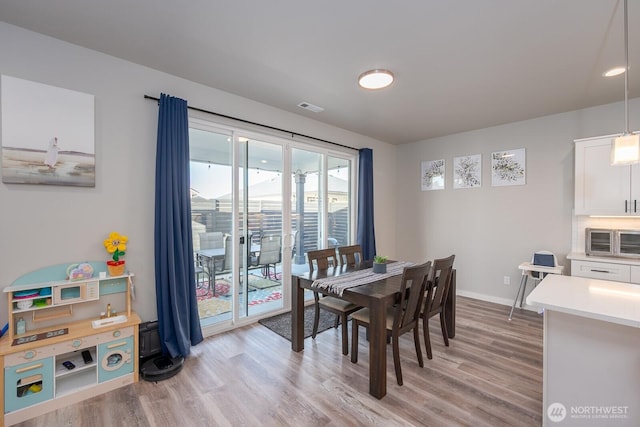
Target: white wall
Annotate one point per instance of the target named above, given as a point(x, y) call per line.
point(493, 229)
point(490, 229)
point(48, 225)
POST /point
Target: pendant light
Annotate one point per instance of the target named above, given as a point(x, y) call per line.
point(625, 149)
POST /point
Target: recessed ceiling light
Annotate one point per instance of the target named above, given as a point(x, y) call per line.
point(375, 79)
point(614, 72)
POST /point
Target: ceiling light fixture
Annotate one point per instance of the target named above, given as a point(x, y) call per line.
point(625, 149)
point(375, 79)
point(614, 72)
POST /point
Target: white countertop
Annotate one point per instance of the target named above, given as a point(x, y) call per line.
point(605, 300)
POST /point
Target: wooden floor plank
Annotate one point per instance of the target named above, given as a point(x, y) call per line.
point(490, 375)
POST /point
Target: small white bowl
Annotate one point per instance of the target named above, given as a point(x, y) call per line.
point(25, 304)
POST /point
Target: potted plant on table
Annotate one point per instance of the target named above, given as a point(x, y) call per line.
point(116, 244)
point(379, 264)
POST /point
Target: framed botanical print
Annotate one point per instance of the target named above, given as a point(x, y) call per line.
point(508, 167)
point(433, 175)
point(467, 171)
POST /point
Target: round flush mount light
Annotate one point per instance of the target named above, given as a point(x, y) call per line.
point(614, 72)
point(375, 79)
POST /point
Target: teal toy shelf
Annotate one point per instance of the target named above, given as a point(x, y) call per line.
point(49, 288)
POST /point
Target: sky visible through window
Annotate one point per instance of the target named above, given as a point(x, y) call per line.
point(213, 181)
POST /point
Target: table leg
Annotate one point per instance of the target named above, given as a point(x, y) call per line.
point(377, 349)
point(297, 315)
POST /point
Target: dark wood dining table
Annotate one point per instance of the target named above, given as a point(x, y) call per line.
point(376, 295)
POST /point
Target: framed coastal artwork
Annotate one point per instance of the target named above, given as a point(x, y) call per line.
point(508, 167)
point(467, 171)
point(47, 134)
point(433, 175)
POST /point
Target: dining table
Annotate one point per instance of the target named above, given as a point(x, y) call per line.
point(208, 258)
point(377, 294)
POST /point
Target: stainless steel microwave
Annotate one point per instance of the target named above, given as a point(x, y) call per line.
point(612, 243)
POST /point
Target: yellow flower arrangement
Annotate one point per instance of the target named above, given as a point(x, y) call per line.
point(116, 244)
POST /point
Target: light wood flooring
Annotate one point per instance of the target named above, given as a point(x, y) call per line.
point(491, 375)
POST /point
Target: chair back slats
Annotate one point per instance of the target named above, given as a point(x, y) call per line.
point(350, 255)
point(322, 259)
point(439, 283)
point(270, 249)
point(211, 240)
point(412, 289)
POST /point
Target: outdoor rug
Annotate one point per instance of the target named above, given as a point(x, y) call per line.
point(213, 307)
point(281, 324)
point(259, 282)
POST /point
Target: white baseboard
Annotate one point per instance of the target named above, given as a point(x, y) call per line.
point(489, 298)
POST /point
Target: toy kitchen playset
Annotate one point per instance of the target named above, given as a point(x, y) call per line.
point(65, 342)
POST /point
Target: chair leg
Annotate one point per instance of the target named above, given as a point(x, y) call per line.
point(345, 334)
point(443, 327)
point(416, 340)
point(396, 358)
point(336, 322)
point(316, 320)
point(427, 341)
point(354, 341)
point(523, 282)
point(524, 291)
point(212, 282)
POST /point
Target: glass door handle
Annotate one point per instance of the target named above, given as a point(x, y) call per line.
point(288, 241)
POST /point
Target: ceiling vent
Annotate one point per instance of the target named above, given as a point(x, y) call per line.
point(310, 107)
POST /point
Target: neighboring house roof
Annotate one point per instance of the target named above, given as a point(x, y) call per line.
point(271, 188)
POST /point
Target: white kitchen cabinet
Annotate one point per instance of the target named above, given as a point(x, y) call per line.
point(601, 270)
point(635, 274)
point(600, 188)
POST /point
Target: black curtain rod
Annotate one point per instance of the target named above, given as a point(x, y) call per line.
point(259, 124)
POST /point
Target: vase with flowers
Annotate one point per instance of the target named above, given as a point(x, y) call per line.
point(116, 244)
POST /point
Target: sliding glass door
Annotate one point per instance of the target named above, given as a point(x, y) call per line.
point(212, 212)
point(260, 225)
point(321, 203)
point(259, 204)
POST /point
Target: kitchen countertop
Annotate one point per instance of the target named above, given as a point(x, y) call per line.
point(614, 302)
point(581, 256)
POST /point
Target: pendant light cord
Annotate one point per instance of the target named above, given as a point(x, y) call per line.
point(626, 71)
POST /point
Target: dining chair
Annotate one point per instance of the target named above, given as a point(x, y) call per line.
point(436, 296)
point(350, 255)
point(213, 240)
point(228, 256)
point(202, 277)
point(270, 253)
point(545, 259)
point(323, 259)
point(400, 318)
point(208, 240)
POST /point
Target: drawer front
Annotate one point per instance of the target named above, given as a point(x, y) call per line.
point(28, 384)
point(32, 355)
point(114, 334)
point(601, 270)
point(635, 274)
